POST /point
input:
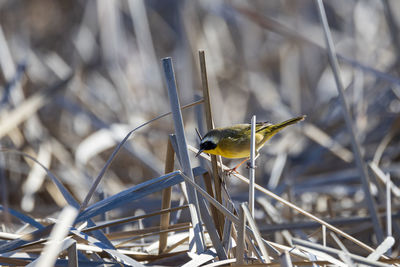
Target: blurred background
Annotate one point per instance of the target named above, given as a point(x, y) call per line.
point(264, 58)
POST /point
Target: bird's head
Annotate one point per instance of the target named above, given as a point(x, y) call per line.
point(209, 142)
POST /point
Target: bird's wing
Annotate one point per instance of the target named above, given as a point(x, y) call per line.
point(262, 126)
point(241, 130)
point(238, 131)
point(241, 133)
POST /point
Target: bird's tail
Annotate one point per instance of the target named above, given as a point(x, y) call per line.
point(280, 126)
point(270, 130)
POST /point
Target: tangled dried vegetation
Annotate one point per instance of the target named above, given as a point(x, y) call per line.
point(98, 167)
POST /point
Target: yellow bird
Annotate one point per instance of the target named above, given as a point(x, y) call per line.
point(234, 141)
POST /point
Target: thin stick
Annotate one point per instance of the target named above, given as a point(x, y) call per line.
point(385, 246)
point(355, 144)
point(59, 232)
point(234, 219)
point(252, 165)
point(307, 214)
point(345, 254)
point(311, 224)
point(241, 238)
point(212, 231)
point(152, 233)
point(285, 259)
point(256, 232)
point(166, 198)
point(388, 206)
point(292, 206)
point(229, 215)
point(140, 232)
point(72, 256)
point(214, 211)
point(395, 190)
point(219, 221)
point(177, 244)
point(183, 152)
point(329, 250)
point(198, 134)
point(117, 149)
point(4, 193)
point(131, 219)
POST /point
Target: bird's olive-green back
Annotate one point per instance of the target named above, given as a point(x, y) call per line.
point(234, 141)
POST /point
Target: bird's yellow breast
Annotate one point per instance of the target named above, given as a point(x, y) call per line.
point(234, 141)
point(236, 148)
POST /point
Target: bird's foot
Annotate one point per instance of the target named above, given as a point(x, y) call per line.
point(249, 166)
point(230, 171)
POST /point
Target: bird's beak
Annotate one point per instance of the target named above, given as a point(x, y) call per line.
point(198, 153)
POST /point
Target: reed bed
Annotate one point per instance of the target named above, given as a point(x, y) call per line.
point(101, 101)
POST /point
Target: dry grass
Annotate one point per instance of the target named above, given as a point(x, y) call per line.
point(88, 108)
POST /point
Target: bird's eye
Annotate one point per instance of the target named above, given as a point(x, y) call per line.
point(208, 145)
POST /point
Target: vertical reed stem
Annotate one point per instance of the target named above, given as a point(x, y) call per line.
point(219, 221)
point(252, 165)
point(349, 123)
point(166, 198)
point(183, 152)
point(241, 237)
point(388, 206)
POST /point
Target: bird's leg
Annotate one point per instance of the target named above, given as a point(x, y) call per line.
point(235, 168)
point(249, 164)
